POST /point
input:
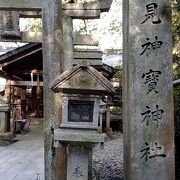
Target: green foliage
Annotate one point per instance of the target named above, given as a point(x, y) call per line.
point(177, 107)
point(118, 75)
point(31, 24)
point(176, 58)
point(176, 20)
point(95, 173)
point(176, 67)
point(118, 96)
point(176, 29)
point(177, 99)
point(117, 110)
point(108, 27)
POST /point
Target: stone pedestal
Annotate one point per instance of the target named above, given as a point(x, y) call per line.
point(4, 110)
point(77, 163)
point(87, 138)
point(79, 145)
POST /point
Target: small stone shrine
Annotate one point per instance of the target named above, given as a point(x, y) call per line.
point(10, 24)
point(81, 88)
point(4, 110)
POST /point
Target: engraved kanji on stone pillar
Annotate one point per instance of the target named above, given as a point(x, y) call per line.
point(148, 124)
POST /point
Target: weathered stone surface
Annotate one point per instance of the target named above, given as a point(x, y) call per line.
point(6, 136)
point(3, 123)
point(30, 37)
point(102, 5)
point(25, 83)
point(37, 37)
point(30, 14)
point(148, 103)
point(83, 14)
point(3, 118)
point(95, 100)
point(73, 13)
point(6, 97)
point(82, 79)
point(88, 54)
point(85, 39)
point(55, 164)
point(21, 5)
point(10, 24)
point(77, 163)
point(35, 5)
point(68, 42)
point(4, 108)
point(78, 136)
point(90, 62)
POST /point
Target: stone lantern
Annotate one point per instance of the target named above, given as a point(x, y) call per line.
point(81, 89)
point(10, 27)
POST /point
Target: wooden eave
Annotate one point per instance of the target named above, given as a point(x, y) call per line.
point(20, 51)
point(19, 63)
point(22, 61)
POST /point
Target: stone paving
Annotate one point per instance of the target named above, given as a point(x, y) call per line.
point(24, 159)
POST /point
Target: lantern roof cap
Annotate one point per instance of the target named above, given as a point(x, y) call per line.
point(82, 79)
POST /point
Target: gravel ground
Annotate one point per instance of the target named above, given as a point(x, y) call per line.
point(108, 163)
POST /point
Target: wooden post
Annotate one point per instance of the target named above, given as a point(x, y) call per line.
point(55, 163)
point(108, 118)
point(148, 102)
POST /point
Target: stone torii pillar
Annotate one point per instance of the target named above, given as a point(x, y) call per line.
point(148, 101)
point(53, 65)
point(68, 42)
point(55, 163)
